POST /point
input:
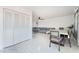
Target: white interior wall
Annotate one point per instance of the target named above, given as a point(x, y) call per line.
point(34, 20)
point(52, 11)
point(53, 15)
point(63, 21)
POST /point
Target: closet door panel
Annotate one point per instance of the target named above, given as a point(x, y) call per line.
point(17, 34)
point(8, 28)
point(23, 27)
point(20, 28)
point(28, 25)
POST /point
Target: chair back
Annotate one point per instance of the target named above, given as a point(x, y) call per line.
point(61, 28)
point(55, 33)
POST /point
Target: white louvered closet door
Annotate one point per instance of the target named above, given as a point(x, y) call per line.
point(8, 27)
point(17, 27)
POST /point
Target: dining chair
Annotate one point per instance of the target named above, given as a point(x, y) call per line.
point(55, 39)
point(70, 34)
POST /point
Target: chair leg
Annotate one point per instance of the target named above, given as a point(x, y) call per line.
point(50, 44)
point(60, 43)
point(69, 43)
point(59, 48)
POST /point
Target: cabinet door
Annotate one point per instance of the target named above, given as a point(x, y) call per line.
point(8, 28)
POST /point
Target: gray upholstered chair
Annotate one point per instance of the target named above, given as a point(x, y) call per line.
point(56, 39)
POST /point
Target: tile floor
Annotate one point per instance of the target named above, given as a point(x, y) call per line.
point(40, 44)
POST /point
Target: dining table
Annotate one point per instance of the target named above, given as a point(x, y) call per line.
point(61, 32)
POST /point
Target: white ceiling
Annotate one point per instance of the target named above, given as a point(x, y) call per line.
point(51, 11)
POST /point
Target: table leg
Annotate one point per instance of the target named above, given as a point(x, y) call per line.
point(69, 42)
